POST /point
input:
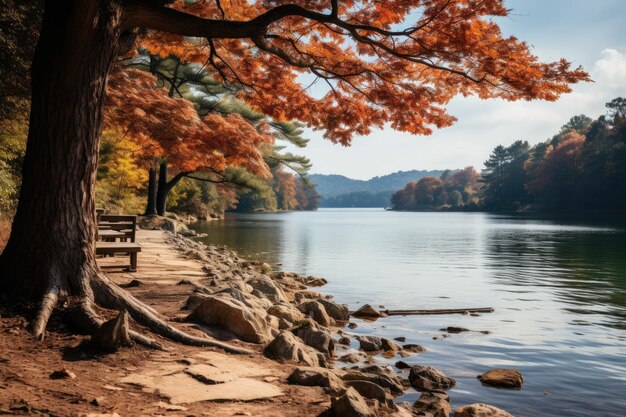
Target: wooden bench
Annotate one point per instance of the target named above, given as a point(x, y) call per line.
point(120, 223)
point(112, 248)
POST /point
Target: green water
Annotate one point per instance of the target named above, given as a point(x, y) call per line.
point(558, 287)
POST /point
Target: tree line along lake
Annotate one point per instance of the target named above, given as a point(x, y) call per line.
point(558, 287)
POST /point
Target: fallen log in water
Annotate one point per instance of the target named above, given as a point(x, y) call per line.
point(438, 311)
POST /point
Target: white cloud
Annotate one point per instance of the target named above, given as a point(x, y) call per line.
point(610, 70)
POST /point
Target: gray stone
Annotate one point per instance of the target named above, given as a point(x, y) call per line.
point(427, 378)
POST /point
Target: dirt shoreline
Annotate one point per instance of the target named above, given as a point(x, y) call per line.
point(177, 277)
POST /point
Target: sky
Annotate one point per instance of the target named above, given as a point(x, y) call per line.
point(587, 33)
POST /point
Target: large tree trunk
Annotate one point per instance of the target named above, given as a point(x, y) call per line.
point(152, 192)
point(51, 248)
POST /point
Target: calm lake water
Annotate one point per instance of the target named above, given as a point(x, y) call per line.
point(558, 288)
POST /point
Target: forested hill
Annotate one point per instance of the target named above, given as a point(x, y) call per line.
point(341, 191)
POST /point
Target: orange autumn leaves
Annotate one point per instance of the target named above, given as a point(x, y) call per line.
point(169, 128)
point(373, 64)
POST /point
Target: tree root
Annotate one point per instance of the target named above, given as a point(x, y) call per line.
point(108, 294)
point(48, 303)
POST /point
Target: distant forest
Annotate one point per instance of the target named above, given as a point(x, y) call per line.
point(582, 167)
point(341, 191)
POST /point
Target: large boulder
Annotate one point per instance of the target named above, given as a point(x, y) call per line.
point(317, 338)
point(339, 312)
point(316, 311)
point(287, 312)
point(351, 404)
point(287, 347)
point(265, 286)
point(427, 378)
point(234, 316)
point(432, 404)
point(316, 377)
point(480, 410)
point(502, 378)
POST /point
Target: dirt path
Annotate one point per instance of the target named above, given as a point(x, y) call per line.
point(136, 381)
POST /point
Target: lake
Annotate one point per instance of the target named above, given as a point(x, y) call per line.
point(558, 287)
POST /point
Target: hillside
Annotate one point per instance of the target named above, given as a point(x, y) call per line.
point(341, 191)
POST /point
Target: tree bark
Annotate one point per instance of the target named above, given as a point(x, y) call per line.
point(161, 197)
point(51, 247)
point(165, 187)
point(152, 192)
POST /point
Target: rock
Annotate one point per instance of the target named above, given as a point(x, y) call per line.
point(287, 312)
point(339, 312)
point(194, 300)
point(385, 380)
point(316, 377)
point(413, 348)
point(432, 404)
point(368, 390)
point(427, 378)
point(503, 378)
point(352, 325)
point(249, 300)
point(268, 288)
point(401, 339)
point(307, 294)
point(317, 338)
point(388, 345)
point(353, 357)
point(286, 346)
point(316, 311)
point(370, 343)
point(351, 404)
point(402, 365)
point(480, 410)
point(113, 334)
point(62, 374)
point(234, 316)
point(452, 329)
point(344, 341)
point(367, 311)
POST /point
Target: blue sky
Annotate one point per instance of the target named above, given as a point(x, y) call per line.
point(588, 33)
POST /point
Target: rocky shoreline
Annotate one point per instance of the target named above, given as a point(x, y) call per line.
point(295, 324)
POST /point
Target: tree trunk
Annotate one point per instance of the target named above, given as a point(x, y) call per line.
point(152, 192)
point(161, 198)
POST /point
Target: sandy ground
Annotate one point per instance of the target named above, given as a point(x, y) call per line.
point(136, 381)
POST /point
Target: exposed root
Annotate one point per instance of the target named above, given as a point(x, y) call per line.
point(48, 303)
point(110, 295)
